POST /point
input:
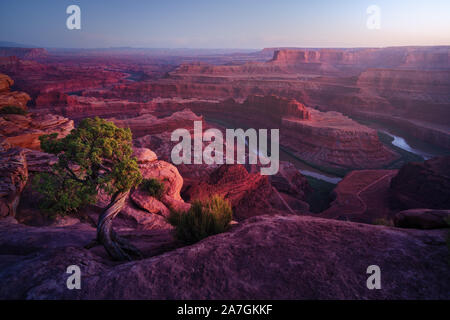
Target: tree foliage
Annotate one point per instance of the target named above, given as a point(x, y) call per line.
point(97, 155)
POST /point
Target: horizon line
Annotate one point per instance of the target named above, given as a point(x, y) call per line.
point(215, 48)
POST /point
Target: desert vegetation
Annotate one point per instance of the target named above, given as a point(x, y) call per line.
point(12, 110)
point(95, 156)
point(154, 187)
point(383, 222)
point(203, 219)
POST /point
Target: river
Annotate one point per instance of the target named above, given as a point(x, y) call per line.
point(403, 144)
point(304, 168)
point(410, 145)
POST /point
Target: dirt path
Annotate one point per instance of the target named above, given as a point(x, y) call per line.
point(358, 194)
point(284, 201)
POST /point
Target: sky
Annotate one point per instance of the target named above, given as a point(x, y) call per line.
point(250, 24)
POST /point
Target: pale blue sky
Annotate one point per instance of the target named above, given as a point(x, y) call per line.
point(225, 23)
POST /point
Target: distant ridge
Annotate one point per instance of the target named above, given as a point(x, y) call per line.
point(23, 53)
point(10, 44)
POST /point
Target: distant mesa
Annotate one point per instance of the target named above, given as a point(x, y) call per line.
point(11, 44)
point(417, 57)
point(278, 107)
point(55, 98)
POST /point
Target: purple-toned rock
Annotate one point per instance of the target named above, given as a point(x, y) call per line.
point(144, 201)
point(144, 155)
point(423, 219)
point(165, 172)
point(24, 130)
point(422, 185)
point(13, 178)
point(264, 257)
point(143, 220)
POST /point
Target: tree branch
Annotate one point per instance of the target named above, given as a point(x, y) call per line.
point(73, 175)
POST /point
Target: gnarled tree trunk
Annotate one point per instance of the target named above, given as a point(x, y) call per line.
point(118, 248)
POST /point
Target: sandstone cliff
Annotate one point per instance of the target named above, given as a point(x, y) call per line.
point(412, 57)
point(276, 107)
point(24, 130)
point(331, 139)
point(324, 138)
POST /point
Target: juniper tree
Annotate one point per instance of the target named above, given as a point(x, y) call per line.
point(95, 156)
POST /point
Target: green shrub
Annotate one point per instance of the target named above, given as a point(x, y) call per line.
point(12, 110)
point(383, 222)
point(154, 187)
point(203, 219)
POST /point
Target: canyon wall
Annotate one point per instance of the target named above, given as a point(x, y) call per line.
point(323, 138)
point(409, 83)
point(331, 139)
point(411, 57)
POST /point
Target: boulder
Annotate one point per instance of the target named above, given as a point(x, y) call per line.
point(248, 193)
point(149, 203)
point(144, 155)
point(173, 182)
point(142, 219)
point(15, 98)
point(167, 174)
point(423, 219)
point(177, 205)
point(422, 185)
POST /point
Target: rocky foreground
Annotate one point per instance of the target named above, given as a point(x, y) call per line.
point(266, 257)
